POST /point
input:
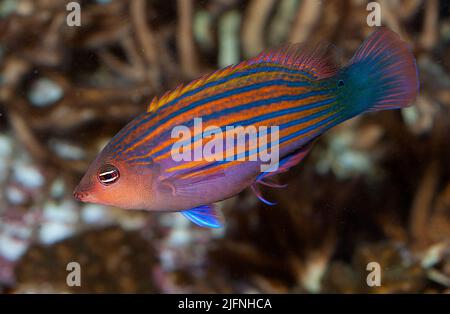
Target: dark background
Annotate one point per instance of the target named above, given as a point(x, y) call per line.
point(374, 189)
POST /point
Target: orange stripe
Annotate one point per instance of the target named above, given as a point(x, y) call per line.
point(232, 163)
point(268, 92)
point(268, 122)
point(283, 133)
point(222, 103)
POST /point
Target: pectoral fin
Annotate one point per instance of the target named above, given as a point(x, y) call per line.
point(191, 184)
point(204, 216)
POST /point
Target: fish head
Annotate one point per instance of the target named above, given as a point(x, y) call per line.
point(115, 182)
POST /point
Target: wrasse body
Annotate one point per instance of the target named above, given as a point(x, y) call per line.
point(295, 88)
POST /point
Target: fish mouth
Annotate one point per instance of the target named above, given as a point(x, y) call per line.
point(83, 191)
point(80, 195)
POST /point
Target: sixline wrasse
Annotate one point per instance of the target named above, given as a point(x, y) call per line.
point(296, 88)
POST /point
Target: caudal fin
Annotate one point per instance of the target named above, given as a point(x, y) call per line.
point(382, 74)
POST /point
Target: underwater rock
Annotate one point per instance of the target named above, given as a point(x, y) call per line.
point(27, 174)
point(45, 92)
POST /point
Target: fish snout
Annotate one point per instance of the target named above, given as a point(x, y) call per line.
point(80, 195)
point(83, 190)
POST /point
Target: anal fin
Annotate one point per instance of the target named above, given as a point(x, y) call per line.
point(284, 165)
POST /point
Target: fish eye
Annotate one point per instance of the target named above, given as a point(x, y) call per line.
point(108, 174)
point(340, 83)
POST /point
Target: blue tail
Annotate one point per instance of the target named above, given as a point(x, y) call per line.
point(381, 75)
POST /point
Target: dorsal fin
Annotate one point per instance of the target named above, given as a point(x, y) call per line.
point(158, 102)
point(317, 59)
